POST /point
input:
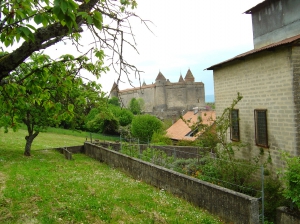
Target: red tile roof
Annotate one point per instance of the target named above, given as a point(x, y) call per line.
point(180, 129)
point(290, 40)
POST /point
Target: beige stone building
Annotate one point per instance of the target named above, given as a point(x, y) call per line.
point(268, 78)
point(164, 98)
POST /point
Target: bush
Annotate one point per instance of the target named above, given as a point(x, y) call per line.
point(143, 127)
point(91, 116)
point(136, 106)
point(291, 179)
point(159, 138)
point(124, 115)
point(105, 122)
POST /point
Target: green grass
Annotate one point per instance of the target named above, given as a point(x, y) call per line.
point(46, 188)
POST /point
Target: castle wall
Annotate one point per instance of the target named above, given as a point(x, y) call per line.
point(176, 96)
point(165, 99)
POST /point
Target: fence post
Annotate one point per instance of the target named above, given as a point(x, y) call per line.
point(91, 137)
point(174, 153)
point(120, 142)
point(262, 195)
point(140, 154)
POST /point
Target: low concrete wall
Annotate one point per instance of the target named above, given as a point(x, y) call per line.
point(72, 149)
point(184, 152)
point(283, 216)
point(229, 205)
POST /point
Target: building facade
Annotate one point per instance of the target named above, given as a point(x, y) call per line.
point(268, 78)
point(164, 98)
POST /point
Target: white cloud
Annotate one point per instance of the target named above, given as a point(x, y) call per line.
point(191, 34)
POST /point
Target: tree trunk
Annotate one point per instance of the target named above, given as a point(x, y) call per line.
point(29, 140)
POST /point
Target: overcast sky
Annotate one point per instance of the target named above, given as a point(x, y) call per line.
point(191, 34)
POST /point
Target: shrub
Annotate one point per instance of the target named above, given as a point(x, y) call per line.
point(124, 115)
point(159, 138)
point(91, 116)
point(291, 179)
point(136, 106)
point(143, 127)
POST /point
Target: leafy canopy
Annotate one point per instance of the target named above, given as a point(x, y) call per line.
point(143, 127)
point(44, 93)
point(37, 25)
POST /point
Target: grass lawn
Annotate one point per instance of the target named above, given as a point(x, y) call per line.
point(46, 188)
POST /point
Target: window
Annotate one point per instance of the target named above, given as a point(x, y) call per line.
point(261, 131)
point(234, 128)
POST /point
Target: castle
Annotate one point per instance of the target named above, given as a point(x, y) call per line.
point(163, 98)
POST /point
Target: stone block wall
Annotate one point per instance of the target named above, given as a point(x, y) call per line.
point(265, 80)
point(230, 206)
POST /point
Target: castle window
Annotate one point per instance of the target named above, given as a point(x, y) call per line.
point(235, 127)
point(261, 131)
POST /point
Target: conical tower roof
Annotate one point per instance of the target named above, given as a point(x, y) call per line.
point(144, 84)
point(189, 76)
point(180, 79)
point(160, 76)
point(114, 87)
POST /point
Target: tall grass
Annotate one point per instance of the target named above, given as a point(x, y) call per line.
point(46, 188)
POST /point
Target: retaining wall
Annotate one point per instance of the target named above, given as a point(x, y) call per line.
point(229, 205)
point(184, 152)
point(283, 215)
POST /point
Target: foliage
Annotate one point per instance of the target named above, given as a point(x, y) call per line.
point(41, 96)
point(124, 115)
point(157, 157)
point(143, 127)
point(210, 106)
point(105, 122)
point(39, 25)
point(273, 197)
point(160, 138)
point(125, 132)
point(114, 101)
point(136, 106)
point(91, 116)
point(130, 150)
point(291, 178)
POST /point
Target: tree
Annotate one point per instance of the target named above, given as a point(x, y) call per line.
point(41, 24)
point(44, 93)
point(143, 126)
point(124, 115)
point(136, 105)
point(114, 101)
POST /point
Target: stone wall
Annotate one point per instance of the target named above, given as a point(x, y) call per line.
point(167, 99)
point(284, 216)
point(229, 205)
point(265, 80)
point(185, 152)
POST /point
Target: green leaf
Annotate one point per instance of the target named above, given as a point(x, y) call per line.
point(38, 19)
point(70, 107)
point(31, 27)
point(64, 6)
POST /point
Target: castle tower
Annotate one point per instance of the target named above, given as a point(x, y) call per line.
point(160, 93)
point(114, 90)
point(189, 76)
point(160, 79)
point(180, 79)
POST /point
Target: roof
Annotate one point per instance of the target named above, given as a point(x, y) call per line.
point(180, 129)
point(160, 76)
point(189, 76)
point(180, 79)
point(114, 87)
point(291, 40)
point(259, 6)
